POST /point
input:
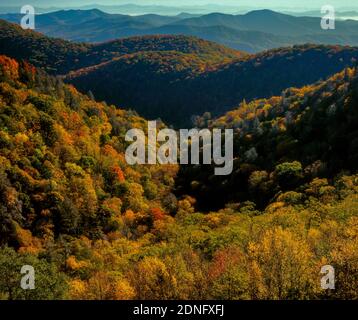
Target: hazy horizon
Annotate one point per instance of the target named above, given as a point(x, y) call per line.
point(301, 5)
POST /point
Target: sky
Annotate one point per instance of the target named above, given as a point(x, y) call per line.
point(293, 4)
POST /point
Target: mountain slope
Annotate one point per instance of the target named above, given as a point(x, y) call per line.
point(149, 82)
point(174, 95)
point(54, 55)
point(281, 143)
point(58, 56)
point(71, 207)
point(177, 76)
point(62, 159)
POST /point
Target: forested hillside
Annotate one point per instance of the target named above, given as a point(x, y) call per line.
point(96, 228)
point(178, 77)
point(175, 86)
point(283, 142)
point(58, 56)
point(64, 153)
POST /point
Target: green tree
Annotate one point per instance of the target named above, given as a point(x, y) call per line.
point(288, 174)
point(50, 284)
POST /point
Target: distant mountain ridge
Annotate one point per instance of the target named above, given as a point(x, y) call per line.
point(254, 31)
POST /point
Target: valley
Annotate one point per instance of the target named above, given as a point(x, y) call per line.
point(179, 77)
point(280, 114)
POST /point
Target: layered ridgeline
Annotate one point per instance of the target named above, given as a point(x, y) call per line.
point(175, 86)
point(175, 77)
point(253, 32)
point(283, 142)
point(73, 209)
point(58, 56)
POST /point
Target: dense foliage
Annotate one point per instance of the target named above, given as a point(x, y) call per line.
point(178, 77)
point(284, 142)
point(175, 86)
point(96, 228)
point(58, 56)
point(162, 78)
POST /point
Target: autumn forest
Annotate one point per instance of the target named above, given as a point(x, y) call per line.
point(97, 228)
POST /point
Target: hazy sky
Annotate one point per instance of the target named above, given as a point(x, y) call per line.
point(302, 4)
